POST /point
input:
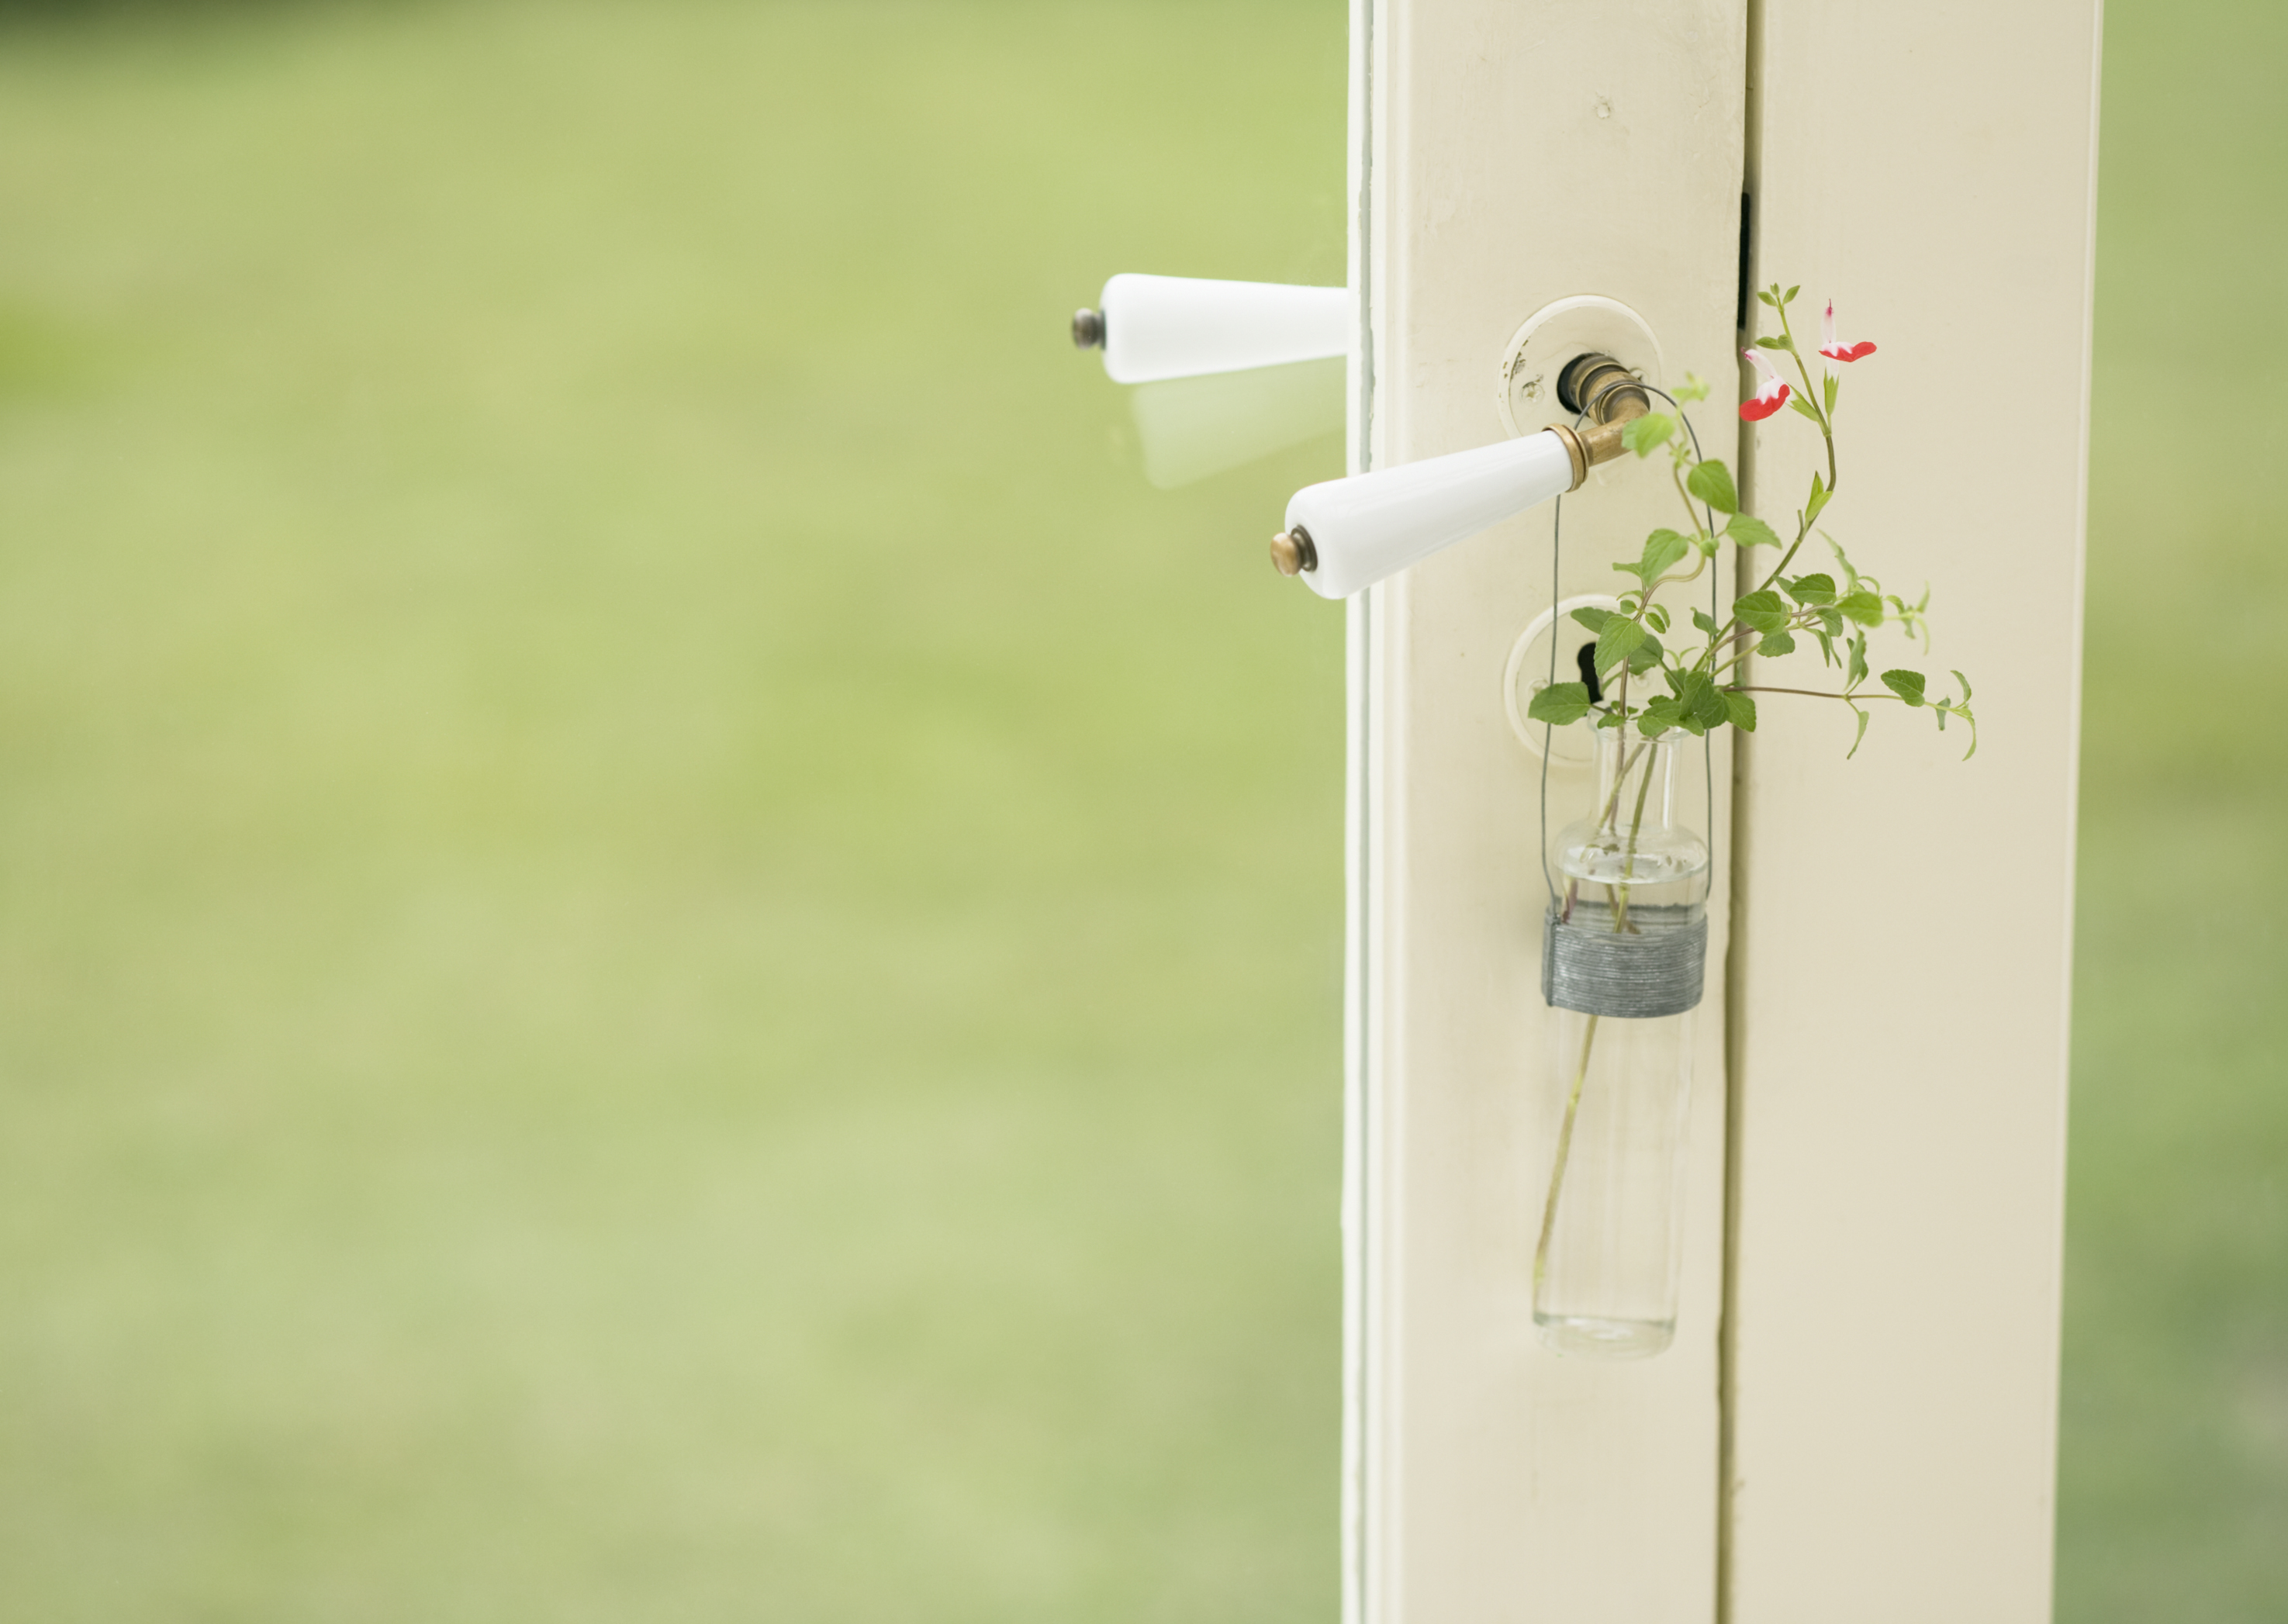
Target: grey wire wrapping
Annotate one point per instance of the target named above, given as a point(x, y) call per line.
point(1661, 966)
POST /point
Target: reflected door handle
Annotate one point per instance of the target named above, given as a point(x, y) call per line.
point(1152, 327)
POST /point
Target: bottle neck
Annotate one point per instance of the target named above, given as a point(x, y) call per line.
point(1636, 782)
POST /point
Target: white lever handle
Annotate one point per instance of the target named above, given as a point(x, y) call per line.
point(1349, 534)
point(1167, 327)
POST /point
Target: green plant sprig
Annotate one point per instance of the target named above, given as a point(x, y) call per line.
point(1707, 685)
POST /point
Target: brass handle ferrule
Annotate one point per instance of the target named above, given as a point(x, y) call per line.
point(1576, 451)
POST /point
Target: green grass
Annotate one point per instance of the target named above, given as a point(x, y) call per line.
point(667, 951)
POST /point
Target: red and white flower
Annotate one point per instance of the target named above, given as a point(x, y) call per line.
point(1830, 348)
point(1771, 393)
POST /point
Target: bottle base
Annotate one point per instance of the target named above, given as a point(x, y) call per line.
point(1584, 1336)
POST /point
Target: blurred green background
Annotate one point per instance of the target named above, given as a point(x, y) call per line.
point(2172, 1496)
point(667, 951)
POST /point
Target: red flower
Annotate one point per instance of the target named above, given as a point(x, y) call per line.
point(1771, 394)
point(1833, 351)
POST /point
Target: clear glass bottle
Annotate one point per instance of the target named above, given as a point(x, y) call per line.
point(1623, 964)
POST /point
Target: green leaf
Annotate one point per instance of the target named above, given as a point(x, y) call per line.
point(1831, 622)
point(1789, 296)
point(1831, 389)
point(1660, 714)
point(1743, 709)
point(1560, 704)
point(1907, 685)
point(1645, 656)
point(1664, 713)
point(1711, 482)
point(1749, 531)
point(1617, 640)
point(1767, 298)
point(1796, 404)
point(1819, 495)
point(1593, 619)
point(1826, 648)
point(1816, 590)
point(1671, 545)
point(1702, 700)
point(1964, 712)
point(1641, 434)
point(1965, 681)
point(1701, 619)
point(1657, 617)
point(1762, 610)
point(1864, 607)
point(1776, 644)
point(1862, 734)
point(1858, 671)
point(1850, 576)
point(1662, 548)
point(1773, 343)
point(1693, 388)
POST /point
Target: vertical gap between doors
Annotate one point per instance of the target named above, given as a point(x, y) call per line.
point(1738, 946)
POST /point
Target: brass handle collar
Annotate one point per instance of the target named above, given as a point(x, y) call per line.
point(1577, 450)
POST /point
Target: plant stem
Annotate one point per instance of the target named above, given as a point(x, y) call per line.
point(1676, 478)
point(1620, 782)
point(1811, 398)
point(1803, 523)
point(1629, 854)
point(1685, 579)
point(1612, 805)
point(1589, 1036)
point(1557, 1173)
point(1854, 697)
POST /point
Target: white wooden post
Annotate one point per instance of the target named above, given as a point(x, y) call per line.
point(1865, 1431)
point(1510, 156)
point(1900, 1023)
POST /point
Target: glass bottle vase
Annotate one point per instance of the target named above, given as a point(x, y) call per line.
point(1625, 949)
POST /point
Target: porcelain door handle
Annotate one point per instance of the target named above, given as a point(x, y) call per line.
point(1346, 534)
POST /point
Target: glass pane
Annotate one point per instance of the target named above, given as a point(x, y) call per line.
point(669, 946)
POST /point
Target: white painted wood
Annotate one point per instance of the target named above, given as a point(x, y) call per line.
point(1900, 1044)
point(1507, 153)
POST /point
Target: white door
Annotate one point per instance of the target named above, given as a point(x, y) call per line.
point(1856, 1418)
